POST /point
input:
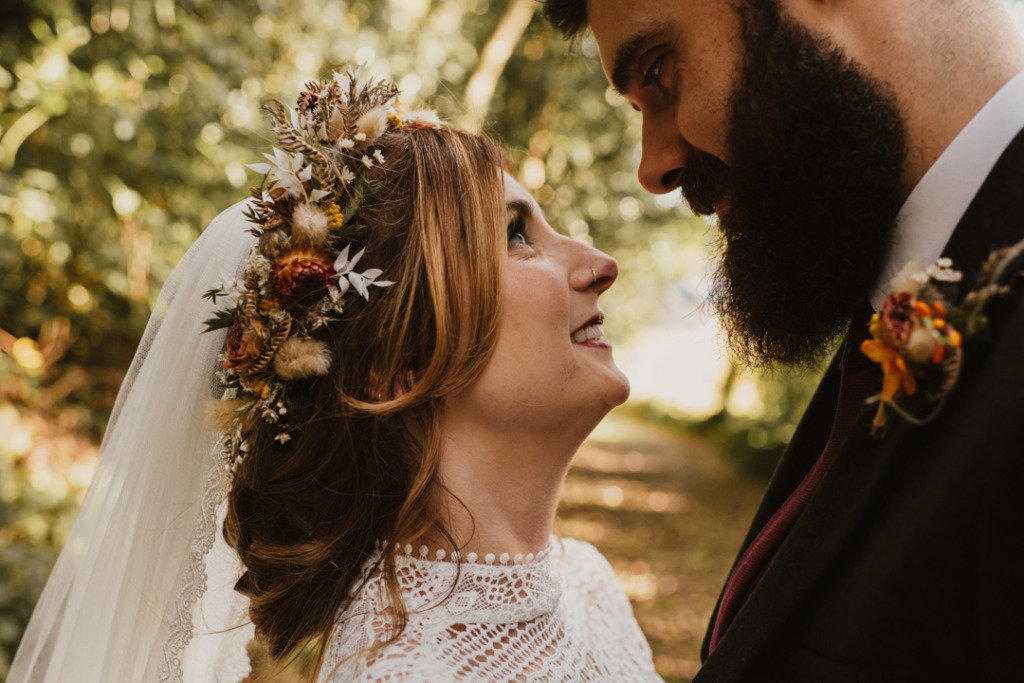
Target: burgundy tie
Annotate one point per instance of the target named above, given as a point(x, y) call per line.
point(858, 380)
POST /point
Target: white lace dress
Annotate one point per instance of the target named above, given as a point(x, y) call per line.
point(560, 616)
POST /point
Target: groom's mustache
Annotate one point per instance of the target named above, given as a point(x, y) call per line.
point(704, 182)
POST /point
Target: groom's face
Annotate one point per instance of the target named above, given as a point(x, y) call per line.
point(792, 144)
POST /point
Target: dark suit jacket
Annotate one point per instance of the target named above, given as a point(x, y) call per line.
point(908, 562)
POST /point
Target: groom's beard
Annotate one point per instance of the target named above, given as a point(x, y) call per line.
point(809, 197)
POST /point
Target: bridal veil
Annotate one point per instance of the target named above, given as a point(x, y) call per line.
point(142, 590)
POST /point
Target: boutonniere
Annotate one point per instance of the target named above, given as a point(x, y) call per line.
point(918, 334)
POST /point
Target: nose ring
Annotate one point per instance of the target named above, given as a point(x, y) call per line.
point(592, 270)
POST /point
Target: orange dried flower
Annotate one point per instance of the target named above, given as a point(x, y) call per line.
point(243, 347)
point(301, 275)
point(897, 320)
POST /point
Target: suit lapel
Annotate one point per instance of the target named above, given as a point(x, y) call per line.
point(815, 539)
point(803, 449)
point(995, 218)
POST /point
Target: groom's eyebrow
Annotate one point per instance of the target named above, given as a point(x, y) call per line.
point(624, 65)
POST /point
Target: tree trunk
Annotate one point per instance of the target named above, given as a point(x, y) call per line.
point(493, 58)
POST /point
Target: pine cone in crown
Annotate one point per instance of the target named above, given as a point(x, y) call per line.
point(301, 275)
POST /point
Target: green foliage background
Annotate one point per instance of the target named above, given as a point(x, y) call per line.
point(125, 126)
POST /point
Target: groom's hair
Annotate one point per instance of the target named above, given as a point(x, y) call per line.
point(569, 17)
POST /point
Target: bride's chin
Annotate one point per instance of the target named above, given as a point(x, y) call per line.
point(620, 391)
point(614, 386)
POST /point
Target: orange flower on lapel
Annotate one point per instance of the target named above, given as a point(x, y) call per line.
point(912, 340)
point(895, 372)
point(918, 334)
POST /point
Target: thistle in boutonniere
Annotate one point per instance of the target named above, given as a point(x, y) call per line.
point(918, 334)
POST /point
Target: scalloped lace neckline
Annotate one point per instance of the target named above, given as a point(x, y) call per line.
point(427, 554)
point(439, 588)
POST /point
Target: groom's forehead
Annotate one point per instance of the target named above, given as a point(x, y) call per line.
point(623, 29)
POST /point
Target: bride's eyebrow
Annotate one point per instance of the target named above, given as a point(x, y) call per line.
point(519, 210)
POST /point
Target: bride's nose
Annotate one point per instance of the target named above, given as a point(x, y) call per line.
point(596, 271)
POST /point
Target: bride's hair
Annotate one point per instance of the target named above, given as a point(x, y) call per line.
point(360, 469)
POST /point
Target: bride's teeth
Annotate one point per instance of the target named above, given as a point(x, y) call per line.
point(588, 333)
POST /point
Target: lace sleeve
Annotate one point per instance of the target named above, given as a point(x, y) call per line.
point(606, 606)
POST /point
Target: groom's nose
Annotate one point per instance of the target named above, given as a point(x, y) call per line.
point(664, 154)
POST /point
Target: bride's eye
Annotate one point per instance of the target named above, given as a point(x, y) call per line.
point(519, 214)
point(517, 232)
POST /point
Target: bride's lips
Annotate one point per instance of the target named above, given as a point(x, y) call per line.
point(590, 333)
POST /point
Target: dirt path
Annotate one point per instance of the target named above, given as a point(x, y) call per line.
point(669, 514)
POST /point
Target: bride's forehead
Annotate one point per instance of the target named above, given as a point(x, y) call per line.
point(516, 192)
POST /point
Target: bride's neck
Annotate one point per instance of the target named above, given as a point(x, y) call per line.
point(502, 486)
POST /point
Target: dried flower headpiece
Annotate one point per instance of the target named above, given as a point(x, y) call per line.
point(302, 270)
point(918, 334)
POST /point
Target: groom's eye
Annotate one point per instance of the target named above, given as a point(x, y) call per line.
point(653, 73)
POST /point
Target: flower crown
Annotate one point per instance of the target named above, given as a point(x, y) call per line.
point(301, 272)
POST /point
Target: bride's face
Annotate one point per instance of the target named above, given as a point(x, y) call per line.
point(551, 364)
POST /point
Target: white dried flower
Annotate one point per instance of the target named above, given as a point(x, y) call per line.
point(297, 358)
point(367, 161)
point(283, 438)
point(423, 117)
point(910, 279)
point(260, 265)
point(233, 290)
point(944, 273)
point(310, 224)
point(343, 265)
point(378, 156)
point(288, 172)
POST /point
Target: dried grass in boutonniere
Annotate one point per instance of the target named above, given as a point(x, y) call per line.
point(918, 334)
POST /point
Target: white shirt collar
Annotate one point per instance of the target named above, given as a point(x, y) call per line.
point(938, 202)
